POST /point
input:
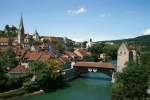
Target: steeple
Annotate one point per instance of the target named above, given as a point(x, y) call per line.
point(36, 35)
point(36, 32)
point(21, 23)
point(21, 32)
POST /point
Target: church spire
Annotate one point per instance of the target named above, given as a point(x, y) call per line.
point(21, 32)
point(21, 23)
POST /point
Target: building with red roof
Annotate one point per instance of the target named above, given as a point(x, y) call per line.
point(19, 69)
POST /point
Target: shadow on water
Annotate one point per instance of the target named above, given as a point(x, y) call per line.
point(61, 87)
point(96, 78)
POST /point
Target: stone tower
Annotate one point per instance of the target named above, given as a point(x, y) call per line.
point(125, 54)
point(21, 32)
point(89, 43)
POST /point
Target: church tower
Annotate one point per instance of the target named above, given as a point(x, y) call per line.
point(21, 32)
point(36, 35)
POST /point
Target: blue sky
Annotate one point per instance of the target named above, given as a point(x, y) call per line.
point(79, 19)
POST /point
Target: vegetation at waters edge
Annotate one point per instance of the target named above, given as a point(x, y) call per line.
point(133, 82)
point(47, 76)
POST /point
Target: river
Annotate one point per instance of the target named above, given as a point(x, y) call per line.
point(92, 86)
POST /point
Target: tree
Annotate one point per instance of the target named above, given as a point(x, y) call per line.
point(55, 68)
point(96, 50)
point(45, 41)
point(59, 47)
point(145, 58)
point(10, 32)
point(47, 74)
point(135, 82)
point(111, 50)
point(8, 59)
point(40, 71)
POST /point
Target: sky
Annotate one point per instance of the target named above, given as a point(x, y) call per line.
point(79, 19)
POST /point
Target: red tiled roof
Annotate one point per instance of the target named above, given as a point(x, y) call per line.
point(64, 59)
point(45, 56)
point(19, 51)
point(93, 64)
point(32, 55)
point(84, 52)
point(18, 69)
point(4, 40)
point(68, 53)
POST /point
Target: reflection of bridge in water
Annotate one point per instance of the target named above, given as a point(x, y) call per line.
point(96, 78)
point(94, 67)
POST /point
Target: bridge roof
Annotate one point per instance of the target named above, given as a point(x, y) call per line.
point(94, 64)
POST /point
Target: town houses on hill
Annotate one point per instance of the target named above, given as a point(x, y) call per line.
point(34, 47)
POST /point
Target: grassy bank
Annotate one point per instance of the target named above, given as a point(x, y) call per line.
point(12, 93)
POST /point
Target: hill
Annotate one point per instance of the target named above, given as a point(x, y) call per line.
point(140, 40)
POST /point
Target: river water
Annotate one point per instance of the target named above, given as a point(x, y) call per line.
point(92, 86)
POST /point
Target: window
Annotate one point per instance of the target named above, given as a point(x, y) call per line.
point(120, 52)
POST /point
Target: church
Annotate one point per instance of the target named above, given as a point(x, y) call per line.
point(23, 39)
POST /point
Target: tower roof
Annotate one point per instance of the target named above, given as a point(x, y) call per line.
point(21, 23)
point(36, 33)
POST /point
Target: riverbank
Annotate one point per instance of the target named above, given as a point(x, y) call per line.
point(17, 93)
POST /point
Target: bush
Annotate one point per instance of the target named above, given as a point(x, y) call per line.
point(31, 86)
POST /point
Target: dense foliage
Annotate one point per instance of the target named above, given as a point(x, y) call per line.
point(108, 49)
point(133, 82)
point(45, 75)
point(8, 59)
point(9, 31)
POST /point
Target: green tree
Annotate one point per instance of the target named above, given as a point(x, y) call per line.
point(45, 41)
point(40, 71)
point(59, 47)
point(8, 59)
point(111, 50)
point(10, 32)
point(135, 82)
point(47, 74)
point(55, 68)
point(96, 50)
point(145, 58)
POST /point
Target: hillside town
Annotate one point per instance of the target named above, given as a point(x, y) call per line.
point(65, 58)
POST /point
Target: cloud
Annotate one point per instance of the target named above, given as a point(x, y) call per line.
point(146, 32)
point(103, 15)
point(78, 11)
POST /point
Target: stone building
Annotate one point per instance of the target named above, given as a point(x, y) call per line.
point(125, 54)
point(89, 43)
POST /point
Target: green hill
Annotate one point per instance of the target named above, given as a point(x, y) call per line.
point(140, 40)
